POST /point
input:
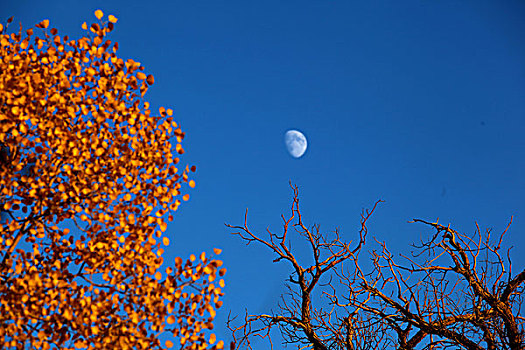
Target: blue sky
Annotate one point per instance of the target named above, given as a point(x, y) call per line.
point(418, 103)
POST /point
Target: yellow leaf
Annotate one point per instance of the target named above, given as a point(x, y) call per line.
point(45, 23)
point(99, 14)
point(80, 344)
point(166, 241)
point(112, 19)
point(67, 314)
point(192, 184)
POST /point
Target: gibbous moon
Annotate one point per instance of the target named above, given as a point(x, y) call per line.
point(295, 143)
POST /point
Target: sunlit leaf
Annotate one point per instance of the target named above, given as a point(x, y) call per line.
point(99, 14)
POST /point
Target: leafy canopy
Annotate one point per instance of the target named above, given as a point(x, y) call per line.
point(82, 150)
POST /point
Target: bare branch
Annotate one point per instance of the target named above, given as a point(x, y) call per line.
point(454, 291)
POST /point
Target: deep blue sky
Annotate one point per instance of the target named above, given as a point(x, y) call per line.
point(418, 103)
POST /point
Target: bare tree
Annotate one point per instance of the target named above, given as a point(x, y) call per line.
point(453, 291)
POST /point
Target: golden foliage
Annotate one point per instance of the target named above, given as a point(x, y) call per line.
point(81, 149)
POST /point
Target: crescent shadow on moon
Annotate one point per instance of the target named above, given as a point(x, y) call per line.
point(296, 143)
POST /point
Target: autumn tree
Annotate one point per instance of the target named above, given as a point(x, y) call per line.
point(81, 243)
point(454, 291)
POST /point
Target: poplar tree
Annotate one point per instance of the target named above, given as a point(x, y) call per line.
point(90, 176)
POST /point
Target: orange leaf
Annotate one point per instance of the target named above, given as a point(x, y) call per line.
point(150, 80)
point(99, 14)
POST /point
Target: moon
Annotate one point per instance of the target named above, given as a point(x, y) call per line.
point(295, 143)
